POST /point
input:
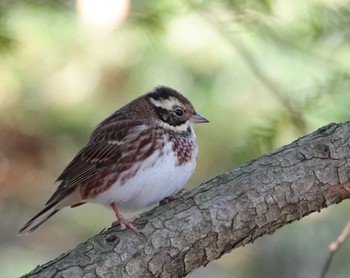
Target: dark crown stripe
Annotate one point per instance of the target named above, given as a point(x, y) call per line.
point(163, 92)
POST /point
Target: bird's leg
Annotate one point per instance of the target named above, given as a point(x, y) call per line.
point(122, 221)
point(172, 197)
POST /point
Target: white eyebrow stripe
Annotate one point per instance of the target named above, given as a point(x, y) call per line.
point(167, 104)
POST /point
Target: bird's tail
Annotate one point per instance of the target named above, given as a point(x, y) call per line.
point(39, 219)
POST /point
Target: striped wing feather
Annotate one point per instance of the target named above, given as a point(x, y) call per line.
point(104, 148)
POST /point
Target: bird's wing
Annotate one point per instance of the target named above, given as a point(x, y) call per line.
point(105, 147)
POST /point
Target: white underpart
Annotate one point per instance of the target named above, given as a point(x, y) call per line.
point(157, 178)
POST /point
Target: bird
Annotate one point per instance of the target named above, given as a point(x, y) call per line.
point(143, 153)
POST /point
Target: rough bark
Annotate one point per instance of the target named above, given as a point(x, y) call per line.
point(229, 211)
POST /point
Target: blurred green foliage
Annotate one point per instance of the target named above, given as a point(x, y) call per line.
point(264, 72)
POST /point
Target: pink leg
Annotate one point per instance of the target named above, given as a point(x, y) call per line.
point(122, 221)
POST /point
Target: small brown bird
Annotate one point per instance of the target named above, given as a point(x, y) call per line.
point(141, 154)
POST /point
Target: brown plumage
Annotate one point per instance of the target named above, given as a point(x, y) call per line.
point(119, 165)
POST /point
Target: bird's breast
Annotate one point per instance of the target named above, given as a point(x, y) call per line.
point(163, 173)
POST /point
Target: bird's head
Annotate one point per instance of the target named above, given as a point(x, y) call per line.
point(173, 110)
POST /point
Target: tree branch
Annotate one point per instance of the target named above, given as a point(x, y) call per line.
point(228, 211)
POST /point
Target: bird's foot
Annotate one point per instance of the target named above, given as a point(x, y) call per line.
point(126, 223)
point(122, 221)
point(170, 198)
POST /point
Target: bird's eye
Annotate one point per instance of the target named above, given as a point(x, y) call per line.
point(179, 112)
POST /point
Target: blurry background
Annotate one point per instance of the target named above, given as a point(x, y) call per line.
point(264, 72)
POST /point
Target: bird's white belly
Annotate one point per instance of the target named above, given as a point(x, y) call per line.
point(157, 178)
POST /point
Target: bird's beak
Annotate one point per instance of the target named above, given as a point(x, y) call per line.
point(197, 119)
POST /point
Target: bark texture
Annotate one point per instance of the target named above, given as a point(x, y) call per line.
point(229, 211)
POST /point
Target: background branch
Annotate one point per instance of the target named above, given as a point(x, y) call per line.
point(223, 26)
point(334, 247)
point(228, 211)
